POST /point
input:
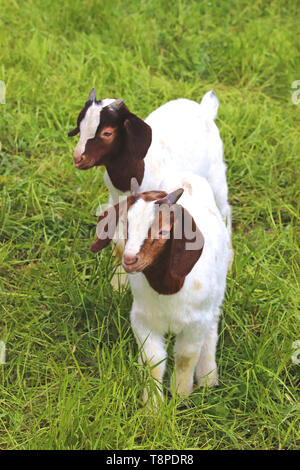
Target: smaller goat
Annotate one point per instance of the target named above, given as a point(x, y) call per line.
point(177, 259)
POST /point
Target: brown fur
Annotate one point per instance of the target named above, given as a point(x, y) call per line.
point(122, 153)
point(163, 260)
point(149, 196)
point(168, 260)
point(158, 273)
point(112, 214)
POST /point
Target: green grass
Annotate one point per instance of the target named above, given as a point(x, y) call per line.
point(71, 378)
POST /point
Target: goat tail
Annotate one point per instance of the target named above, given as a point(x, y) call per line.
point(210, 105)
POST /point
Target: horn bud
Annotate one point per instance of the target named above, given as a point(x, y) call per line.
point(171, 198)
point(116, 105)
point(92, 95)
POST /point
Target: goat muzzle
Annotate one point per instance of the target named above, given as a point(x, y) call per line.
point(78, 160)
point(129, 259)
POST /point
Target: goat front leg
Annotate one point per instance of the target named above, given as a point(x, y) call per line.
point(152, 353)
point(186, 351)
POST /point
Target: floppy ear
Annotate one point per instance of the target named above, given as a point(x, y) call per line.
point(185, 235)
point(73, 132)
point(138, 136)
point(106, 227)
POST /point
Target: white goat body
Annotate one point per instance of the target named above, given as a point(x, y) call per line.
point(184, 138)
point(193, 312)
point(180, 135)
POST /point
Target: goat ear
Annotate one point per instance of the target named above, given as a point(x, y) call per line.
point(106, 228)
point(73, 132)
point(138, 136)
point(187, 244)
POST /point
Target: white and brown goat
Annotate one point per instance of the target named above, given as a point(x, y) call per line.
point(180, 135)
point(177, 259)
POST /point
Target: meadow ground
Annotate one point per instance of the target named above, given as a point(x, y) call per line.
point(71, 378)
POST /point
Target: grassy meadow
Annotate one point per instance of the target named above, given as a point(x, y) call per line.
point(71, 378)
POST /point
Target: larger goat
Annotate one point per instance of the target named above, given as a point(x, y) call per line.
point(180, 135)
point(177, 257)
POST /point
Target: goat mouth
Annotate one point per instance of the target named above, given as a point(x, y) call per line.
point(134, 268)
point(83, 165)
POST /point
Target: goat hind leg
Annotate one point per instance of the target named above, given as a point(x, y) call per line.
point(206, 369)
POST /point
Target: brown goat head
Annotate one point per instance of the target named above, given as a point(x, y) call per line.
point(110, 135)
point(158, 237)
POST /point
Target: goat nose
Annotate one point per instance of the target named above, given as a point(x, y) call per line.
point(130, 259)
point(78, 158)
point(78, 151)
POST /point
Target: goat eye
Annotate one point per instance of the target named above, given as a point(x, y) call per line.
point(107, 134)
point(164, 233)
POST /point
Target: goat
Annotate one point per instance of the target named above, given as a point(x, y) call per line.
point(177, 259)
point(180, 135)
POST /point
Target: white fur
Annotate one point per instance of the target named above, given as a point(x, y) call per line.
point(138, 226)
point(88, 127)
point(185, 138)
point(193, 312)
point(89, 124)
